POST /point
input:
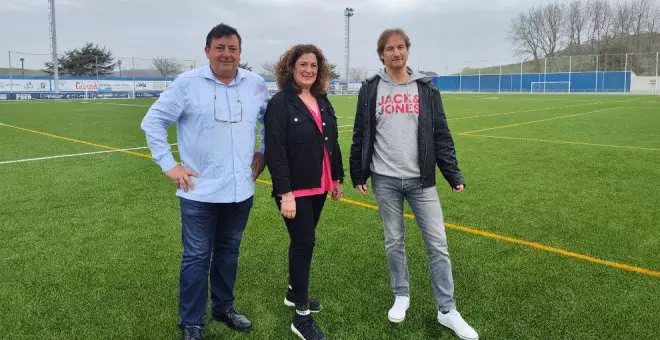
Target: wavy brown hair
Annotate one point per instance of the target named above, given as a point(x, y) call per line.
point(284, 68)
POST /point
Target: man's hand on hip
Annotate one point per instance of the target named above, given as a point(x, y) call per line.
point(181, 177)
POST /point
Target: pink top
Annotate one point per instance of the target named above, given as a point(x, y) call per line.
point(327, 184)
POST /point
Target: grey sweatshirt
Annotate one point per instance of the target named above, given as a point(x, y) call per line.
point(397, 113)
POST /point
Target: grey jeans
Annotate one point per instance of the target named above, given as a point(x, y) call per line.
point(390, 193)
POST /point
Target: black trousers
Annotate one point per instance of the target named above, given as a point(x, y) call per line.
point(302, 231)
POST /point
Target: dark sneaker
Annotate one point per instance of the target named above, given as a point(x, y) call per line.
point(234, 320)
point(192, 333)
point(314, 306)
point(305, 328)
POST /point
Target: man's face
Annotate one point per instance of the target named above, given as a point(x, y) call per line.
point(224, 55)
point(395, 54)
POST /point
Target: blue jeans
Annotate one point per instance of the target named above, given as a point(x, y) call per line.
point(211, 235)
point(425, 204)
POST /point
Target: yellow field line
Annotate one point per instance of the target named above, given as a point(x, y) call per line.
point(539, 246)
point(473, 231)
point(534, 245)
point(77, 141)
point(537, 121)
point(563, 142)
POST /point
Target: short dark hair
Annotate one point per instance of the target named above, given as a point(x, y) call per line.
point(284, 68)
point(386, 35)
point(221, 31)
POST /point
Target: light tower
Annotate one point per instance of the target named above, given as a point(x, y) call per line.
point(53, 45)
point(348, 13)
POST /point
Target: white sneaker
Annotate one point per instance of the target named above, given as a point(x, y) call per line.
point(397, 313)
point(454, 321)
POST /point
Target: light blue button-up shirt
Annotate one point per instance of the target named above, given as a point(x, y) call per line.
point(216, 132)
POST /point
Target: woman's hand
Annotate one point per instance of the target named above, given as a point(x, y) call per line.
point(337, 192)
point(288, 206)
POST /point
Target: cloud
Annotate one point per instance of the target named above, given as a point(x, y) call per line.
point(444, 33)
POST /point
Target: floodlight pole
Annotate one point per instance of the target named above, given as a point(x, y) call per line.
point(521, 76)
point(545, 71)
point(655, 91)
point(596, 90)
point(499, 81)
point(625, 75)
point(11, 78)
point(348, 13)
point(53, 45)
point(570, 72)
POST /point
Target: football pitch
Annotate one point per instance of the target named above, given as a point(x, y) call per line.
point(557, 235)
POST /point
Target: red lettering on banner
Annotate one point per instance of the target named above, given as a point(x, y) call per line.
point(80, 86)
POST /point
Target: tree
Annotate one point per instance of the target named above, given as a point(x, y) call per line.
point(640, 10)
point(119, 66)
point(622, 20)
point(357, 74)
point(652, 26)
point(523, 32)
point(429, 73)
point(333, 72)
point(576, 25)
point(245, 66)
point(168, 67)
point(89, 60)
point(550, 28)
point(589, 27)
point(612, 56)
point(598, 23)
point(268, 67)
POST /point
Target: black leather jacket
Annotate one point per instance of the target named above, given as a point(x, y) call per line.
point(434, 140)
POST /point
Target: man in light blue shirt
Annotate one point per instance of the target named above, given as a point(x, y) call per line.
point(216, 108)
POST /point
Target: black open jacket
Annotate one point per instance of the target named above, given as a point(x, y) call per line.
point(294, 144)
point(434, 140)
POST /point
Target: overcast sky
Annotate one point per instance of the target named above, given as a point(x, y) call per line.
point(445, 34)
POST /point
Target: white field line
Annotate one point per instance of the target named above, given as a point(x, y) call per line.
point(71, 155)
point(541, 109)
point(118, 104)
point(17, 102)
point(521, 111)
point(538, 121)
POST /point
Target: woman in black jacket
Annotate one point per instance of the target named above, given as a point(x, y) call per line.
point(305, 163)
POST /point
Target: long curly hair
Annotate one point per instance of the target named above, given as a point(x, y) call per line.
point(284, 68)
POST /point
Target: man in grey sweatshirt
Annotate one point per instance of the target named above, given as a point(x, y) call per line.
point(400, 134)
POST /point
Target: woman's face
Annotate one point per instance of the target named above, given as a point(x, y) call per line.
point(305, 70)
